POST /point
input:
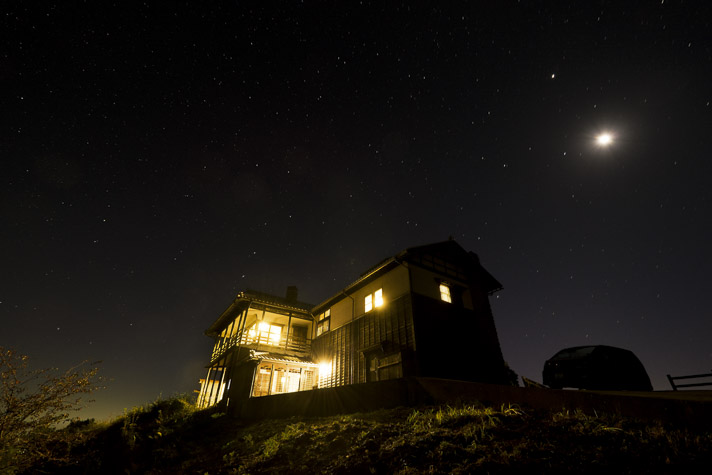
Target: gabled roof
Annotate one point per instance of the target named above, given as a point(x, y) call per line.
point(247, 298)
point(269, 299)
point(449, 251)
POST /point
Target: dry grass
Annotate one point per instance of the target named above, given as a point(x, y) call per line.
point(170, 437)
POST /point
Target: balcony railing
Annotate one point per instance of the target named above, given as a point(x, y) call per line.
point(291, 343)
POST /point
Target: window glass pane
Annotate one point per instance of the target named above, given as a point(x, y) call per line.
point(261, 386)
point(369, 302)
point(279, 379)
point(307, 379)
point(264, 333)
point(445, 293)
point(378, 298)
point(275, 333)
point(293, 377)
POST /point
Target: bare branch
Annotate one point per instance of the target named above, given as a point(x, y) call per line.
point(34, 403)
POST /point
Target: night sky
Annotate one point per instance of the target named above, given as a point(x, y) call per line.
point(157, 158)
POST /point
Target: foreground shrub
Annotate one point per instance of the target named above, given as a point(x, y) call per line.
point(33, 403)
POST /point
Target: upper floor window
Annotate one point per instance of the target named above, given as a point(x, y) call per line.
point(445, 295)
point(264, 333)
point(323, 322)
point(378, 298)
point(374, 300)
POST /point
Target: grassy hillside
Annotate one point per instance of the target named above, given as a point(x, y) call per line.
point(171, 437)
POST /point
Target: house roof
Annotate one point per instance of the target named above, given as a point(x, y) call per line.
point(447, 250)
point(248, 297)
point(278, 358)
point(451, 250)
point(262, 297)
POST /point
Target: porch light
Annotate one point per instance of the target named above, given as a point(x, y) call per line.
point(324, 370)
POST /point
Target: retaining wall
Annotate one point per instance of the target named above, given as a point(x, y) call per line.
point(419, 391)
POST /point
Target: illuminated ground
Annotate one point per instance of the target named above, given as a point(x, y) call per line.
point(169, 437)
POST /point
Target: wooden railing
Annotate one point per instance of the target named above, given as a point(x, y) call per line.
point(290, 343)
point(674, 385)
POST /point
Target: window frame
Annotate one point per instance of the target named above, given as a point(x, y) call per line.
point(374, 300)
point(255, 335)
point(378, 298)
point(323, 324)
point(445, 292)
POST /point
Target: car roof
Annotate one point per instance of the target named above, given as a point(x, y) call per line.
point(585, 351)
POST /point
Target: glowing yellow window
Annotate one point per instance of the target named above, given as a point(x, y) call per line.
point(275, 333)
point(265, 333)
point(374, 300)
point(445, 293)
point(378, 298)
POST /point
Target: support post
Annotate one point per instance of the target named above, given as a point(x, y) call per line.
point(289, 326)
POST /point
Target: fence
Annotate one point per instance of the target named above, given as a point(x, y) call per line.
point(672, 380)
point(290, 343)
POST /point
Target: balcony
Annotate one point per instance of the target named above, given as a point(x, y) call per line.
point(264, 341)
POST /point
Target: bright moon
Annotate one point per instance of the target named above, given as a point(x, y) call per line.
point(604, 139)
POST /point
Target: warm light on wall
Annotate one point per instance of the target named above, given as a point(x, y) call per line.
point(324, 370)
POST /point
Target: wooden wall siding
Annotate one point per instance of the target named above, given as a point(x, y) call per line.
point(392, 324)
point(469, 338)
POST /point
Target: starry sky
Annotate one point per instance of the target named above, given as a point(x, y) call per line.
point(156, 158)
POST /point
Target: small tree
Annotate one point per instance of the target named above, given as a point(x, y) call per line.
point(33, 404)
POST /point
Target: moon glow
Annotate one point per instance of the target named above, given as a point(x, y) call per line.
point(604, 139)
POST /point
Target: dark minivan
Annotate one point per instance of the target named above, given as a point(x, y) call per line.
point(596, 367)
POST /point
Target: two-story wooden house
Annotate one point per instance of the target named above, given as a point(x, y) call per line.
point(262, 347)
point(423, 312)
